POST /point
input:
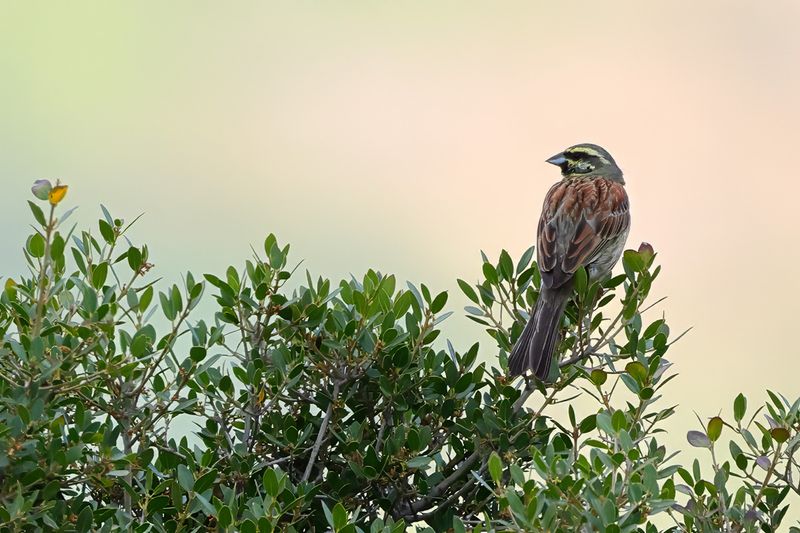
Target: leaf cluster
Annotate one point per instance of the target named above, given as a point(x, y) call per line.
point(305, 404)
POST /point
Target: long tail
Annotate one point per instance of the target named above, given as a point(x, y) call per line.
point(535, 347)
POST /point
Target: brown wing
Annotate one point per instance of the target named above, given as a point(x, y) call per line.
point(579, 218)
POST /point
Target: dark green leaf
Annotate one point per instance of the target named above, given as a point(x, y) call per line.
point(38, 214)
point(739, 407)
point(439, 302)
point(506, 266)
point(525, 259)
point(99, 275)
point(84, 519)
point(106, 231)
point(224, 517)
point(36, 245)
point(134, 258)
point(468, 291)
point(490, 273)
point(206, 481)
point(197, 353)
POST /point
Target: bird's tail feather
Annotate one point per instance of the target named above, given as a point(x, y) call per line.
point(535, 347)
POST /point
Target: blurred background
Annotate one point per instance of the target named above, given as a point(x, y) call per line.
point(409, 136)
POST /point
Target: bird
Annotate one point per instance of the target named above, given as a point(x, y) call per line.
point(585, 222)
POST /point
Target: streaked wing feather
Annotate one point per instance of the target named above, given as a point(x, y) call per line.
point(579, 218)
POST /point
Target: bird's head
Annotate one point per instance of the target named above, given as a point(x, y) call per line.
point(586, 160)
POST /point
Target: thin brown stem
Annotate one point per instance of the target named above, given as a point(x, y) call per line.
point(42, 285)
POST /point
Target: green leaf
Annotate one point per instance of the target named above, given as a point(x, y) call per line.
point(581, 280)
point(276, 257)
point(637, 370)
point(619, 421)
point(197, 353)
point(146, 298)
point(495, 467)
point(99, 275)
point(328, 514)
point(36, 245)
point(739, 407)
point(633, 260)
point(185, 477)
point(261, 291)
point(604, 423)
point(37, 213)
point(224, 517)
point(74, 453)
point(517, 474)
point(653, 328)
point(490, 273)
point(57, 247)
point(506, 265)
point(598, 376)
point(166, 306)
point(468, 291)
point(270, 482)
point(419, 462)
point(134, 258)
point(516, 505)
point(339, 516)
point(106, 231)
point(439, 302)
point(157, 504)
point(525, 259)
point(84, 519)
point(269, 243)
point(714, 429)
point(175, 298)
point(588, 424)
point(403, 303)
point(206, 481)
point(226, 385)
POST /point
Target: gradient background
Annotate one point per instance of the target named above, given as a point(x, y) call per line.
point(407, 136)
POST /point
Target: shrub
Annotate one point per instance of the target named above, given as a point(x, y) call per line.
point(336, 406)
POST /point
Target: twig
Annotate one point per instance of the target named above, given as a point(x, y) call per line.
point(427, 501)
point(772, 465)
point(385, 422)
point(323, 427)
point(42, 286)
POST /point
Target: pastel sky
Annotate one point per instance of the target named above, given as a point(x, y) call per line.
point(408, 136)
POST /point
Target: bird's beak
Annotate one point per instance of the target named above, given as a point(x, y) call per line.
point(557, 160)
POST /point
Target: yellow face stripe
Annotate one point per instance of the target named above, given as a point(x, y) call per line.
point(588, 151)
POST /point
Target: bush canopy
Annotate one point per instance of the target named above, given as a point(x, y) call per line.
point(305, 404)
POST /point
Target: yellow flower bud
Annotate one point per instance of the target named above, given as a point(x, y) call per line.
point(57, 194)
